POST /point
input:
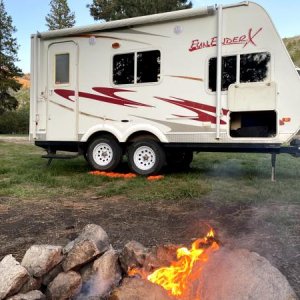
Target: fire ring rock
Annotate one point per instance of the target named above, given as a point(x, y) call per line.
point(64, 286)
point(12, 276)
point(39, 259)
point(139, 289)
point(80, 254)
point(133, 255)
point(91, 232)
point(32, 295)
point(241, 274)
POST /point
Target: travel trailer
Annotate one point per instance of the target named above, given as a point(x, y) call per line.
point(158, 88)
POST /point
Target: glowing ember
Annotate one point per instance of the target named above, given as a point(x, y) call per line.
point(179, 278)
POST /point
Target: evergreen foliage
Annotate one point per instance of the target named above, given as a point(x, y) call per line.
point(109, 10)
point(60, 15)
point(8, 56)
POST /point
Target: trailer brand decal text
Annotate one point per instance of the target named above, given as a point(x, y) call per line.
point(245, 40)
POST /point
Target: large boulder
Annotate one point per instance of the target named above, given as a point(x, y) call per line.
point(12, 276)
point(139, 289)
point(241, 274)
point(39, 259)
point(64, 286)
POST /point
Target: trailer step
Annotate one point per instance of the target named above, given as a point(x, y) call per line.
point(51, 156)
point(59, 156)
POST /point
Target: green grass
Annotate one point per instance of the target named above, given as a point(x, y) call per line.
point(225, 178)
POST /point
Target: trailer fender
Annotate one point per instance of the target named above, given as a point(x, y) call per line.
point(145, 128)
point(102, 128)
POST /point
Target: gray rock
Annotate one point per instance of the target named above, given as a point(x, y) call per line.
point(64, 286)
point(86, 272)
point(31, 285)
point(133, 255)
point(241, 274)
point(32, 295)
point(138, 289)
point(91, 232)
point(12, 276)
point(47, 278)
point(105, 274)
point(160, 256)
point(82, 253)
point(39, 259)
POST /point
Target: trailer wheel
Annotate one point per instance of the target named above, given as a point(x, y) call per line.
point(104, 154)
point(179, 160)
point(146, 157)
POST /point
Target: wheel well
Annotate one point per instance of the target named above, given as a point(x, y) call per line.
point(100, 134)
point(141, 135)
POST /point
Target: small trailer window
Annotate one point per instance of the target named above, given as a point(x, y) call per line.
point(62, 68)
point(228, 72)
point(148, 66)
point(123, 68)
point(254, 67)
point(146, 70)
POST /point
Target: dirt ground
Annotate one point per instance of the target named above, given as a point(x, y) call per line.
point(57, 221)
point(152, 223)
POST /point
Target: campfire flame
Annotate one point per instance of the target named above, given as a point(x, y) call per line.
point(179, 278)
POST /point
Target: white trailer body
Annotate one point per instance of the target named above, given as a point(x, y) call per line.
point(212, 78)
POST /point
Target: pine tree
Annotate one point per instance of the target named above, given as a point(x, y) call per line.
point(8, 56)
point(109, 10)
point(60, 15)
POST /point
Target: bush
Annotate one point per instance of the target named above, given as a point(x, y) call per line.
point(15, 122)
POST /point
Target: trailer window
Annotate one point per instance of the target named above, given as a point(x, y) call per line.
point(228, 72)
point(138, 67)
point(123, 68)
point(148, 66)
point(62, 68)
point(254, 67)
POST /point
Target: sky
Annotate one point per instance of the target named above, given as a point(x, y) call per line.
point(29, 17)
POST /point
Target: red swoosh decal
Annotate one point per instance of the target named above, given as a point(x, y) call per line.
point(198, 108)
point(108, 96)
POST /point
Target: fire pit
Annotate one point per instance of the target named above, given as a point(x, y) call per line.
point(89, 268)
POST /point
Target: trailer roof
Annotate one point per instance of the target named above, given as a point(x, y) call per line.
point(150, 19)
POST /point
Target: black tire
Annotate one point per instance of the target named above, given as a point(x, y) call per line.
point(104, 154)
point(146, 157)
point(180, 159)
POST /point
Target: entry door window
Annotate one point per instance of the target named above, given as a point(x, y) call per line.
point(62, 68)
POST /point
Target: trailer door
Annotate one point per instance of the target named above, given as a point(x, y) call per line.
point(62, 104)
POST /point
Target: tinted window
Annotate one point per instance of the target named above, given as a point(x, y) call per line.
point(62, 65)
point(148, 66)
point(254, 67)
point(123, 68)
point(228, 72)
